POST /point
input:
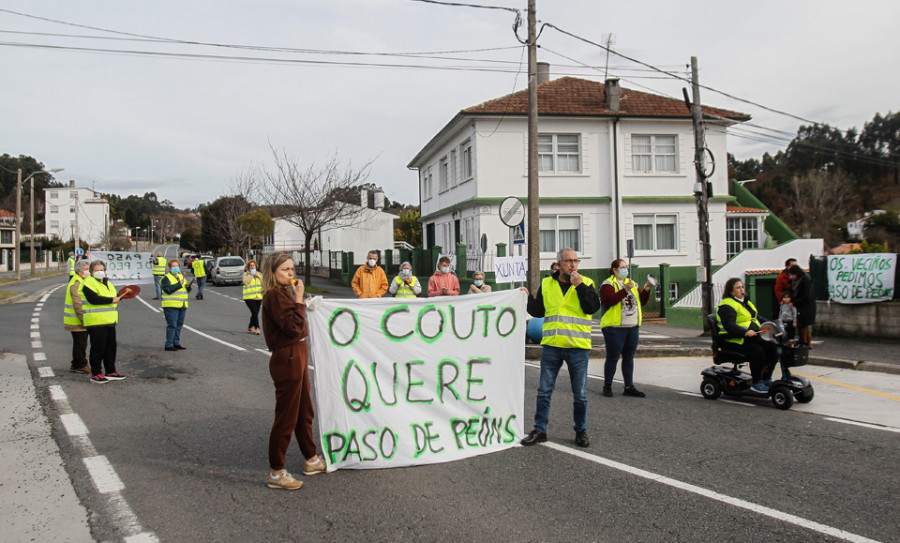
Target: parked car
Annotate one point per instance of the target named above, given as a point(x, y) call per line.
point(227, 269)
point(188, 258)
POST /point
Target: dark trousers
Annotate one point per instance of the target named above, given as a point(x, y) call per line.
point(624, 342)
point(253, 306)
point(293, 404)
point(762, 355)
point(103, 349)
point(79, 349)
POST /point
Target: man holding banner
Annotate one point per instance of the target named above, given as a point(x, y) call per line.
point(567, 301)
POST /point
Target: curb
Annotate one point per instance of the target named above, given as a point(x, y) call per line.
point(533, 352)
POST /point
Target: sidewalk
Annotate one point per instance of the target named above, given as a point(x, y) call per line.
point(39, 501)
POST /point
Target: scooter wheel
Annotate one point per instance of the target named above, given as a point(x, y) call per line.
point(806, 395)
point(711, 389)
point(782, 397)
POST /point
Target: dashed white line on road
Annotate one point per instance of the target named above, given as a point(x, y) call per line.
point(104, 476)
point(36, 335)
point(743, 504)
point(37, 345)
point(217, 340)
point(864, 424)
point(56, 393)
point(40, 356)
point(46, 371)
point(74, 425)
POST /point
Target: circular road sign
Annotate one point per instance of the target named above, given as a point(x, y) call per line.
point(512, 211)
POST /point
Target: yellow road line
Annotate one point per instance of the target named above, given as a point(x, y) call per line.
point(829, 381)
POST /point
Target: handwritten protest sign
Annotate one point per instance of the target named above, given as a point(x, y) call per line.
point(126, 267)
point(509, 269)
point(401, 382)
point(861, 279)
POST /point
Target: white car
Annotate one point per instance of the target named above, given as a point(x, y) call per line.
point(226, 270)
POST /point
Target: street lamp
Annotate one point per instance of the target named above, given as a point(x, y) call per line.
point(31, 240)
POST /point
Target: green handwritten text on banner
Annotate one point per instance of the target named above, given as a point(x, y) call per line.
point(861, 279)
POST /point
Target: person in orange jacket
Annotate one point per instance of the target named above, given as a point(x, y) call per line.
point(370, 281)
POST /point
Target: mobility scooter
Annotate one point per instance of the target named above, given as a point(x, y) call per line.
point(731, 381)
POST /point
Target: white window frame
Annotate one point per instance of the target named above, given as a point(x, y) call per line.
point(54, 194)
point(559, 244)
point(467, 164)
point(443, 175)
point(672, 288)
point(742, 242)
point(426, 184)
point(470, 233)
point(4, 234)
point(551, 149)
point(54, 225)
point(54, 209)
point(654, 223)
point(657, 150)
point(453, 173)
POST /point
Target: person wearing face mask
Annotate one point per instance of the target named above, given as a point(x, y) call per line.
point(370, 281)
point(443, 282)
point(739, 324)
point(73, 318)
point(175, 292)
point(405, 285)
point(252, 281)
point(99, 301)
point(621, 323)
point(478, 285)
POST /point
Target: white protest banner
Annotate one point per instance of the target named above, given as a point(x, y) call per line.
point(401, 382)
point(862, 278)
point(509, 269)
point(126, 268)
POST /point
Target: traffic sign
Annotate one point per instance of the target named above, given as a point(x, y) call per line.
point(512, 211)
point(518, 233)
point(79, 251)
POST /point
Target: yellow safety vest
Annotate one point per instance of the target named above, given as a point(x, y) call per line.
point(613, 315)
point(199, 268)
point(71, 263)
point(98, 315)
point(565, 324)
point(253, 289)
point(404, 290)
point(177, 299)
point(159, 266)
point(744, 317)
point(69, 316)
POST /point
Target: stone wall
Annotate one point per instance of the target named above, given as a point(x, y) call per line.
point(876, 320)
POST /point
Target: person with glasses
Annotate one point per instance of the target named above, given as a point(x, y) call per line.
point(566, 301)
point(621, 324)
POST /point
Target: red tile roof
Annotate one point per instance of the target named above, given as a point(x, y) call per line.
point(580, 97)
point(5, 213)
point(736, 209)
point(763, 272)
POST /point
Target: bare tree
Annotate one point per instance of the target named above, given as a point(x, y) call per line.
point(306, 197)
point(819, 200)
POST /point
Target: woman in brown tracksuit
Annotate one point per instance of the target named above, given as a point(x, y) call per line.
point(285, 330)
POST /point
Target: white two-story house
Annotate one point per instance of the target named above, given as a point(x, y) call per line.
point(614, 165)
point(76, 211)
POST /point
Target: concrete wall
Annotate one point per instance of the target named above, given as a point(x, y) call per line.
point(877, 320)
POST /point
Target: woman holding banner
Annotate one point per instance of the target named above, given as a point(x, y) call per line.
point(285, 330)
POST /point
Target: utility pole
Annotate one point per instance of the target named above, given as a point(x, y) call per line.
point(31, 240)
point(18, 256)
point(76, 235)
point(702, 189)
point(533, 216)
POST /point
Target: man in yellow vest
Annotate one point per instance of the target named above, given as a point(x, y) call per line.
point(73, 319)
point(70, 263)
point(159, 270)
point(99, 306)
point(405, 285)
point(175, 292)
point(566, 301)
point(199, 268)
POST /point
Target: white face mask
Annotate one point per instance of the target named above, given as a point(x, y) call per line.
point(623, 272)
point(371, 262)
point(478, 282)
point(99, 275)
point(445, 269)
point(406, 273)
point(252, 271)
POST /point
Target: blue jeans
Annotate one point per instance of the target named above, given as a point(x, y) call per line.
point(157, 279)
point(552, 359)
point(624, 342)
point(174, 322)
point(200, 282)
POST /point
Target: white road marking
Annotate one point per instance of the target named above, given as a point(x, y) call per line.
point(36, 335)
point(736, 502)
point(154, 309)
point(40, 356)
point(263, 351)
point(74, 425)
point(37, 345)
point(35, 319)
point(35, 326)
point(46, 371)
point(57, 394)
point(104, 476)
point(217, 340)
point(146, 537)
point(864, 424)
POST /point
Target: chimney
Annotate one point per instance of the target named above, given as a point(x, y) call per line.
point(379, 200)
point(71, 183)
point(543, 72)
point(364, 198)
point(613, 94)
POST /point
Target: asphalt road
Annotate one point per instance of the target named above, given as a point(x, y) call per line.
point(187, 432)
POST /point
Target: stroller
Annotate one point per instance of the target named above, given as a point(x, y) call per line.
point(719, 379)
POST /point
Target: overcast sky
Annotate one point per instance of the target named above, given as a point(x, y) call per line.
point(184, 127)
